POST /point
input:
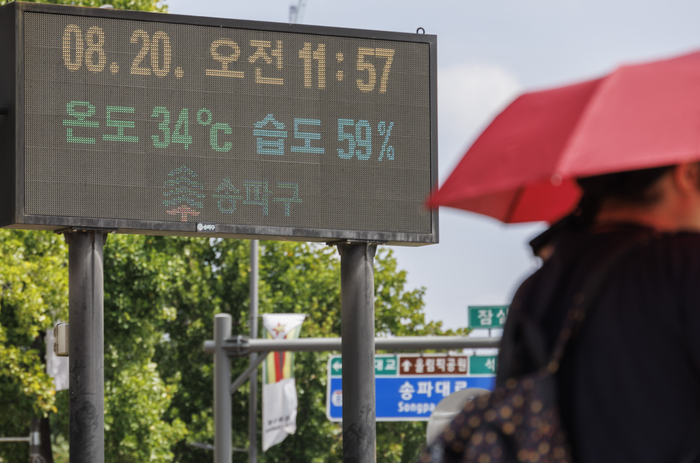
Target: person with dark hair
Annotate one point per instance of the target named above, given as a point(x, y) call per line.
point(629, 381)
point(630, 187)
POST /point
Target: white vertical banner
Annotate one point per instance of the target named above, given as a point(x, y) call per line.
point(279, 396)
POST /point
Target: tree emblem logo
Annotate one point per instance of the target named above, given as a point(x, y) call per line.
point(183, 193)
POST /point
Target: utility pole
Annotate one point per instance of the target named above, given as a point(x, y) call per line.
point(40, 441)
point(222, 390)
point(296, 12)
point(253, 398)
point(86, 345)
point(357, 328)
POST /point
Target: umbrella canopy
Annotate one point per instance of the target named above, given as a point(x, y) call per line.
point(521, 168)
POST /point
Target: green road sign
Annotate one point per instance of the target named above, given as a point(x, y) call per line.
point(483, 364)
point(384, 365)
point(487, 316)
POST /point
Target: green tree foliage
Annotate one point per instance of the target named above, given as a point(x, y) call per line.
point(139, 277)
point(294, 277)
point(33, 293)
point(141, 5)
point(161, 295)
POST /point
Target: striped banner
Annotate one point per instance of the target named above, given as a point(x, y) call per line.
point(279, 387)
point(280, 365)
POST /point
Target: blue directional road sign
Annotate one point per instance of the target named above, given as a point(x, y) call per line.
point(402, 397)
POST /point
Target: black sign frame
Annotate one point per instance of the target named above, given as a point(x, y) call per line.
point(12, 143)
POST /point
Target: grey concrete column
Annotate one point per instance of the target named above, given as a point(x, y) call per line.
point(86, 345)
point(357, 328)
point(222, 391)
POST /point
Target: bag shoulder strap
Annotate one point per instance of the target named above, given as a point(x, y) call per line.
point(524, 332)
point(584, 302)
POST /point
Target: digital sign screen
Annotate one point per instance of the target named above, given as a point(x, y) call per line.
point(167, 124)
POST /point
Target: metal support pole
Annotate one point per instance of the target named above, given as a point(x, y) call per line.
point(222, 394)
point(357, 328)
point(253, 398)
point(243, 377)
point(15, 439)
point(40, 441)
point(34, 441)
point(86, 347)
point(238, 346)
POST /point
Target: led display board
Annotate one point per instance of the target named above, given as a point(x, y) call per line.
point(165, 124)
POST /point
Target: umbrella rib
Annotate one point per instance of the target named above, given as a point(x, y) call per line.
point(513, 205)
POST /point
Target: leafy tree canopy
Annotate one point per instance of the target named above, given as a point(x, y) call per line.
point(33, 293)
point(141, 5)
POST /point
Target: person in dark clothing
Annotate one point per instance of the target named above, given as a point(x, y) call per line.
point(629, 384)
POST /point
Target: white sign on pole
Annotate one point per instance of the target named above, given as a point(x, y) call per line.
point(56, 367)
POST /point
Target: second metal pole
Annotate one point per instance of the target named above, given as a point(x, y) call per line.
point(222, 391)
point(357, 328)
point(253, 399)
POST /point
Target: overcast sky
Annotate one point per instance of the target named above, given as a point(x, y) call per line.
point(489, 51)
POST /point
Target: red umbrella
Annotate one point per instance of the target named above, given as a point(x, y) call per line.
point(522, 167)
